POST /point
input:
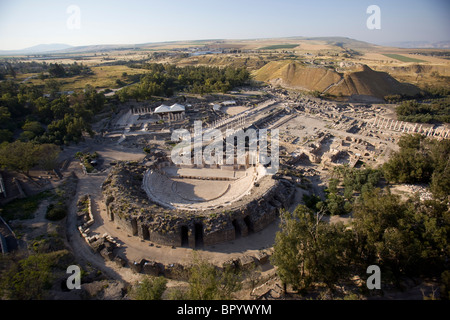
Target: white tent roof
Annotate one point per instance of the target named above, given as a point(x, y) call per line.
point(162, 108)
point(177, 107)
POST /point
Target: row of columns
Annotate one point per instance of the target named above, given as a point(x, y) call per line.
point(236, 123)
point(406, 127)
point(141, 111)
point(173, 116)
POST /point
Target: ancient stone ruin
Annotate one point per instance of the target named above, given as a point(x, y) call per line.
point(146, 202)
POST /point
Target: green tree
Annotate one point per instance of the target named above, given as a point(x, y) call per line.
point(151, 288)
point(29, 278)
point(5, 116)
point(52, 87)
point(412, 163)
point(19, 156)
point(5, 135)
point(56, 70)
point(48, 154)
point(206, 282)
point(31, 129)
point(421, 160)
point(308, 250)
point(403, 237)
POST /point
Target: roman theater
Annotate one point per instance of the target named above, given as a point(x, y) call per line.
point(192, 206)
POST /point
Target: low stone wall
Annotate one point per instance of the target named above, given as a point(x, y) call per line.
point(177, 271)
point(104, 244)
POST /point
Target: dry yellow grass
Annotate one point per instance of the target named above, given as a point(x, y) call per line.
point(104, 77)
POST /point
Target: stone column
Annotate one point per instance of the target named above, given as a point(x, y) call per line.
point(395, 125)
point(375, 121)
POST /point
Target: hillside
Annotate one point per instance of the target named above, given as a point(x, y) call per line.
point(360, 81)
point(41, 48)
point(371, 83)
point(252, 63)
point(296, 75)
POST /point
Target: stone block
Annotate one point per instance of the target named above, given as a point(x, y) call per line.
point(247, 262)
point(120, 261)
point(152, 268)
point(176, 271)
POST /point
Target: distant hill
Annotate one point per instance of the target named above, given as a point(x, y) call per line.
point(346, 43)
point(420, 44)
point(360, 81)
point(40, 48)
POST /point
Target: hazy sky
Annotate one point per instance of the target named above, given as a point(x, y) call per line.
point(25, 23)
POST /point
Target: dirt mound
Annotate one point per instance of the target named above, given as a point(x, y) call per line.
point(371, 83)
point(297, 76)
point(362, 81)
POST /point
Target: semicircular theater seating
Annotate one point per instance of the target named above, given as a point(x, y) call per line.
point(170, 193)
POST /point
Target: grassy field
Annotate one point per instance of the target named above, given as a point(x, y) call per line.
point(103, 77)
point(402, 58)
point(24, 208)
point(280, 46)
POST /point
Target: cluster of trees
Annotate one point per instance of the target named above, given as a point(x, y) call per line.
point(401, 237)
point(46, 119)
point(22, 156)
point(165, 79)
point(413, 111)
point(54, 70)
point(12, 67)
point(308, 250)
point(342, 188)
point(205, 282)
point(30, 275)
point(27, 278)
point(421, 160)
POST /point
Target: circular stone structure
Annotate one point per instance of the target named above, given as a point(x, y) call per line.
point(193, 207)
point(198, 189)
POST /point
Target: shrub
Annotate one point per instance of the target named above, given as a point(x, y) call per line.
point(150, 289)
point(55, 213)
